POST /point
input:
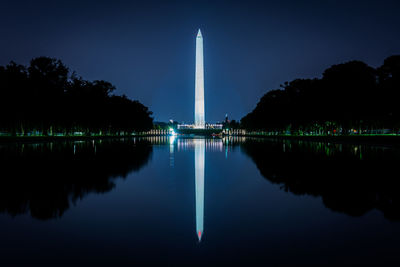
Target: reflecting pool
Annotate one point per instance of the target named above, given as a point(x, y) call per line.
point(199, 201)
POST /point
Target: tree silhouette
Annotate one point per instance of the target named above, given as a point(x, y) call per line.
point(349, 97)
point(45, 98)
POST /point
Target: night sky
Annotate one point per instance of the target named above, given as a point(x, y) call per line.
point(147, 48)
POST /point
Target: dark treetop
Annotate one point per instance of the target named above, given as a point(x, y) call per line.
point(46, 98)
point(352, 95)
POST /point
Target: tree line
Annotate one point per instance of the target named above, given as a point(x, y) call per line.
point(349, 98)
point(46, 98)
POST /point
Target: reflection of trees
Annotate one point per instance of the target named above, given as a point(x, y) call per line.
point(44, 179)
point(345, 182)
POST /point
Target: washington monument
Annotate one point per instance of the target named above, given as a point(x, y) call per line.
point(199, 117)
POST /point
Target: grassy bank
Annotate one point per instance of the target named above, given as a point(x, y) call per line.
point(16, 139)
point(358, 139)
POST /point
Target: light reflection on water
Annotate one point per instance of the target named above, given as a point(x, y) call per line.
point(249, 200)
point(199, 161)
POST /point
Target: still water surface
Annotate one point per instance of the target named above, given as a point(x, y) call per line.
point(184, 201)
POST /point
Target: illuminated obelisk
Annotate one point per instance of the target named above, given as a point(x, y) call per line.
point(199, 118)
point(199, 158)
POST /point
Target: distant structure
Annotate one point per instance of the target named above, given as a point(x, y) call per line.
point(226, 119)
point(206, 126)
point(199, 117)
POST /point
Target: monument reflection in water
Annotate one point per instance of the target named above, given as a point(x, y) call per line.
point(199, 145)
point(199, 162)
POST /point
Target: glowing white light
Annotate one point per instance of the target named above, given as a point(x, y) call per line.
point(172, 132)
point(172, 139)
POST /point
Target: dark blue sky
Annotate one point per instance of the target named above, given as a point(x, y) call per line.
point(147, 49)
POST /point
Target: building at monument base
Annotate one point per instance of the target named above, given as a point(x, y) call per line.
point(206, 126)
